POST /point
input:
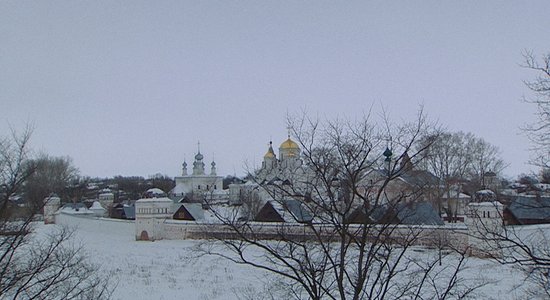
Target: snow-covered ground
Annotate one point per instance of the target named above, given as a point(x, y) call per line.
point(165, 269)
point(171, 269)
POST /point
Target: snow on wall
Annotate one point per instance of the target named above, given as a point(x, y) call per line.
point(431, 236)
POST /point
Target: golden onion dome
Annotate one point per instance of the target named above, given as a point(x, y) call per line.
point(289, 144)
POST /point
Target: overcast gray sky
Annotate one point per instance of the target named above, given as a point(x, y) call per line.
point(128, 87)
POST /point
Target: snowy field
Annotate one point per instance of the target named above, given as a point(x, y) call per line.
point(171, 269)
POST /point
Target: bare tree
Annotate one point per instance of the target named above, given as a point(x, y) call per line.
point(346, 195)
point(449, 158)
point(526, 246)
point(462, 161)
point(462, 156)
point(34, 266)
point(485, 158)
point(539, 130)
point(15, 168)
point(50, 175)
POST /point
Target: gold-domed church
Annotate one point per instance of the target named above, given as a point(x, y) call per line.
point(287, 165)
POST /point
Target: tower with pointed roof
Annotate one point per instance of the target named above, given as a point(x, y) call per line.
point(270, 160)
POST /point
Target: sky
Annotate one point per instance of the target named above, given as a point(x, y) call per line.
point(130, 87)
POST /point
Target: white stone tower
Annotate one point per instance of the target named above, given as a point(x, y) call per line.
point(485, 224)
point(150, 216)
point(51, 205)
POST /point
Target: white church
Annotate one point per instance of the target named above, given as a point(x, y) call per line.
point(197, 185)
point(196, 191)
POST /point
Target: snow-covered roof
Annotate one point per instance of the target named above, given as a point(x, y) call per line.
point(96, 205)
point(486, 204)
point(106, 193)
point(227, 212)
point(156, 191)
point(251, 183)
point(179, 189)
point(76, 209)
point(517, 185)
point(196, 210)
point(293, 211)
point(454, 196)
point(533, 208)
point(161, 199)
point(486, 192)
point(543, 186)
point(52, 199)
point(421, 213)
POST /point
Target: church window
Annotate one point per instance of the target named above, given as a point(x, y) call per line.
point(208, 187)
point(214, 186)
point(199, 187)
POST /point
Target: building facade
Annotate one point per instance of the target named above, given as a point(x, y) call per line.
point(199, 185)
